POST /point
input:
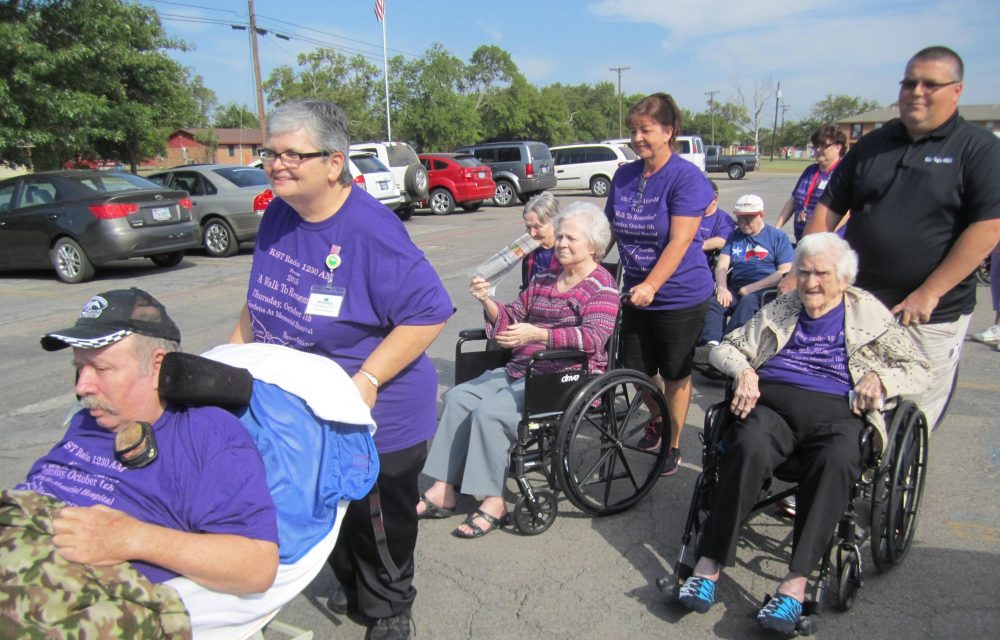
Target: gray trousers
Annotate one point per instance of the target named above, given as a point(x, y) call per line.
point(475, 434)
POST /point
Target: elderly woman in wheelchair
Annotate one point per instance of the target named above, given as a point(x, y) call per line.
point(573, 306)
point(809, 371)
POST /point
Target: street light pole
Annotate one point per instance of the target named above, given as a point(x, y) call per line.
point(777, 99)
point(256, 73)
point(619, 71)
point(711, 108)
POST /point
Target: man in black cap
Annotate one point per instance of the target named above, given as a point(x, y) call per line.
point(172, 490)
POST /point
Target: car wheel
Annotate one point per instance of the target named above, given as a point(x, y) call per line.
point(415, 181)
point(219, 239)
point(70, 261)
point(599, 186)
point(171, 259)
point(736, 172)
point(472, 206)
point(404, 213)
point(441, 202)
point(504, 195)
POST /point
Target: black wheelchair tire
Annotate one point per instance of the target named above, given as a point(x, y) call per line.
point(598, 464)
point(530, 523)
point(898, 488)
point(848, 578)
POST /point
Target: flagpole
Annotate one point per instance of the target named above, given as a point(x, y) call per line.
point(385, 68)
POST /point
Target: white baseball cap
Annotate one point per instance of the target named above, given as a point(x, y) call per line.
point(749, 205)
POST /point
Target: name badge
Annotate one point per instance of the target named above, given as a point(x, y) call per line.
point(822, 184)
point(325, 301)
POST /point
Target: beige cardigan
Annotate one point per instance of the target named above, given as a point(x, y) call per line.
point(874, 342)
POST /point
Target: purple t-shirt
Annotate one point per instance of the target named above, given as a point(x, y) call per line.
point(542, 260)
point(383, 281)
point(815, 358)
point(806, 194)
point(718, 225)
point(756, 257)
point(640, 211)
point(208, 477)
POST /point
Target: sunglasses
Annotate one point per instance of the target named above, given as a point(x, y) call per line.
point(135, 446)
point(930, 86)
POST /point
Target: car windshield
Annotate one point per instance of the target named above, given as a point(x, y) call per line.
point(368, 164)
point(468, 161)
point(243, 176)
point(401, 155)
point(115, 182)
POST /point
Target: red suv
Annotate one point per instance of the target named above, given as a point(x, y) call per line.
point(456, 178)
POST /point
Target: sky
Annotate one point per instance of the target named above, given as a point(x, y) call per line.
point(683, 47)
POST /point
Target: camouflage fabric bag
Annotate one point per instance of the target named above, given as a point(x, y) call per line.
point(43, 595)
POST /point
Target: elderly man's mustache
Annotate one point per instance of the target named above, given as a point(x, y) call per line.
point(92, 402)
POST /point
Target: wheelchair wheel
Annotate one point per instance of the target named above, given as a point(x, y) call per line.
point(598, 461)
point(532, 521)
point(848, 578)
point(899, 487)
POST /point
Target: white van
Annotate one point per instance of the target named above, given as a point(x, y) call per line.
point(691, 148)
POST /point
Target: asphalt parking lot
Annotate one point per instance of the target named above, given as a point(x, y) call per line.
point(586, 577)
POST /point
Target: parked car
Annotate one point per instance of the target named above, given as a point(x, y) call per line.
point(75, 221)
point(691, 148)
point(520, 168)
point(222, 196)
point(589, 166)
point(375, 178)
point(734, 166)
point(456, 178)
point(410, 175)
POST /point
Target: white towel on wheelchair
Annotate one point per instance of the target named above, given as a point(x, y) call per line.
point(314, 434)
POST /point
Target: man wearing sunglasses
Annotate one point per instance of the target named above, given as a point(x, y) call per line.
point(924, 197)
point(168, 490)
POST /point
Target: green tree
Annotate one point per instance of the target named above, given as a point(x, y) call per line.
point(235, 116)
point(837, 107)
point(431, 110)
point(353, 83)
point(80, 78)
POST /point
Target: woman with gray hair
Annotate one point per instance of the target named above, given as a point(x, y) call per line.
point(571, 307)
point(810, 369)
point(539, 215)
point(335, 273)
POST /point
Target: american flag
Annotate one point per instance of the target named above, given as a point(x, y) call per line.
point(380, 10)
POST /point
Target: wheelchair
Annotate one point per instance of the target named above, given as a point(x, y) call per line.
point(578, 430)
point(889, 488)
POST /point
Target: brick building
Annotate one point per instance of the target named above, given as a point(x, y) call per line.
point(231, 146)
point(983, 115)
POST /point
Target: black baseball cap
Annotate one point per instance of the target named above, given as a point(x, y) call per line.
point(110, 316)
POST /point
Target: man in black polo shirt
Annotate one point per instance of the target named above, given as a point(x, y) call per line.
point(923, 192)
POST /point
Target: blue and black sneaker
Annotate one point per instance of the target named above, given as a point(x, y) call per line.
point(697, 594)
point(781, 614)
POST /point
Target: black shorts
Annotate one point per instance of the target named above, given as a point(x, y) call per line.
point(661, 340)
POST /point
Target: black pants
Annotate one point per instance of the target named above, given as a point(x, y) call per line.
point(821, 432)
point(355, 558)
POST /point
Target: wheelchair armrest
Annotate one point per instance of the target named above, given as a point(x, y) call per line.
point(472, 334)
point(559, 354)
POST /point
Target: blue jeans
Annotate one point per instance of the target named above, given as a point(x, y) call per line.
point(740, 312)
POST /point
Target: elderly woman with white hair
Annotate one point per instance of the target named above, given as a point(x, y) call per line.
point(571, 307)
point(810, 369)
point(539, 216)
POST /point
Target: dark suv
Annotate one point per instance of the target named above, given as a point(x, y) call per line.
point(522, 168)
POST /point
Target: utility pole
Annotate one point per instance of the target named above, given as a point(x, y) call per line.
point(777, 99)
point(711, 108)
point(784, 110)
point(619, 71)
point(256, 72)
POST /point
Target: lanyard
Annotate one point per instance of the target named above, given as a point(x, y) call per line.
point(812, 183)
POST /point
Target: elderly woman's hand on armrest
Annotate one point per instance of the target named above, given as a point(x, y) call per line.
point(869, 394)
point(746, 394)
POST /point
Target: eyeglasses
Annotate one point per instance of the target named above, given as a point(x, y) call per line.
point(930, 86)
point(290, 157)
point(135, 445)
point(822, 147)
